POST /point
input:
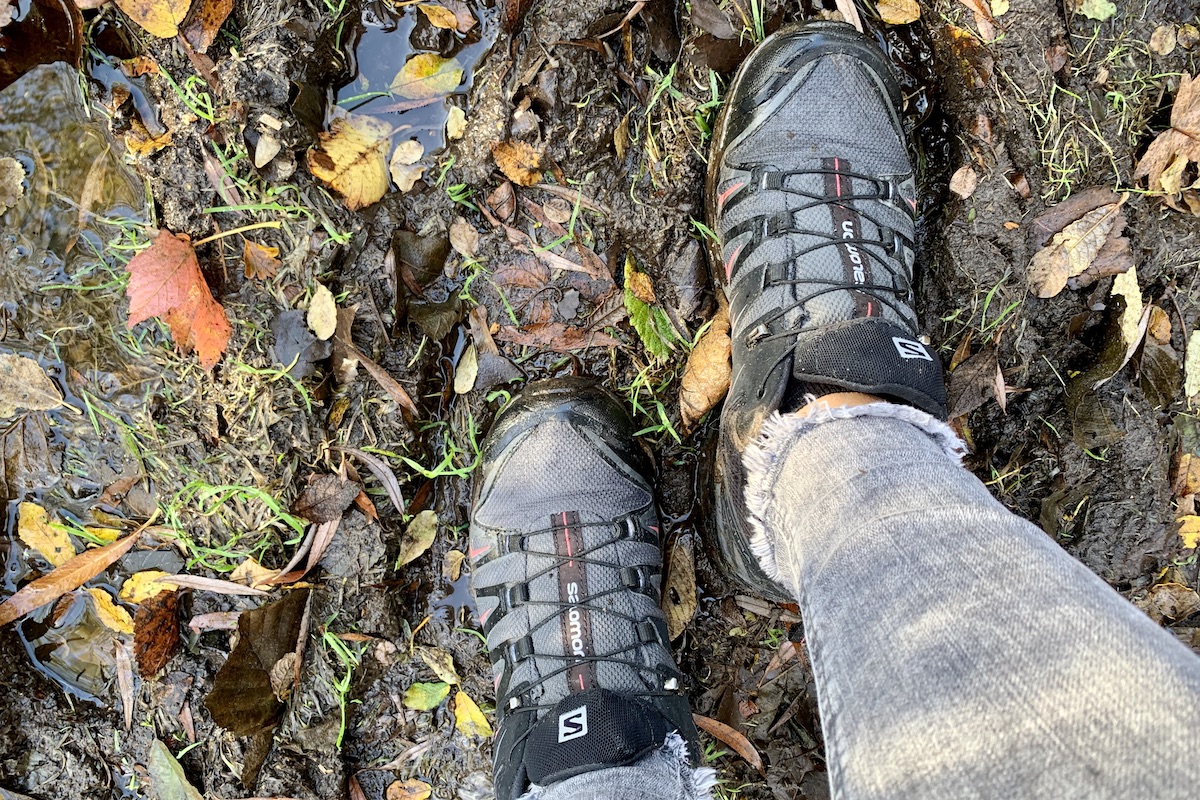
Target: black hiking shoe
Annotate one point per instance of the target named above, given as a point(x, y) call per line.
point(567, 573)
point(811, 193)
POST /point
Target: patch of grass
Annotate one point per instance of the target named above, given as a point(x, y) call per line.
point(349, 659)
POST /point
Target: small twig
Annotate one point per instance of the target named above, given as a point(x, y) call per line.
point(633, 12)
point(235, 231)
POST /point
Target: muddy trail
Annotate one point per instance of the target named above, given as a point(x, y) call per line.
point(346, 234)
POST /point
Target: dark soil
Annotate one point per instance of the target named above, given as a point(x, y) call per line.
point(1096, 473)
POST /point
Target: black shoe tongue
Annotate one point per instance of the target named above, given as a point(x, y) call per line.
point(591, 730)
point(872, 356)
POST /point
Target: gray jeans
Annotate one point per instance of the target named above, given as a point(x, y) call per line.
point(958, 651)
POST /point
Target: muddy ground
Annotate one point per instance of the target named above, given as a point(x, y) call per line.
point(1053, 105)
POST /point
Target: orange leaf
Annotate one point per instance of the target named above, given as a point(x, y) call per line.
point(201, 32)
point(69, 577)
point(261, 261)
point(165, 281)
point(519, 162)
point(740, 744)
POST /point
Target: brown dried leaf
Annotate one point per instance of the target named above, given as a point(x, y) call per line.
point(464, 238)
point(727, 735)
point(156, 632)
point(411, 789)
point(1175, 147)
point(972, 383)
point(642, 286)
point(24, 384)
point(206, 21)
point(260, 261)
point(679, 601)
point(325, 498)
point(1072, 250)
point(351, 158)
point(706, 376)
point(519, 162)
point(555, 336)
point(964, 181)
point(503, 202)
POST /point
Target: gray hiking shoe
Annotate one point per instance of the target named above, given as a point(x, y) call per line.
point(811, 193)
point(566, 571)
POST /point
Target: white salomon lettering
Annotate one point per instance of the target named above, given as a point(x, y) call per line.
point(860, 275)
point(574, 621)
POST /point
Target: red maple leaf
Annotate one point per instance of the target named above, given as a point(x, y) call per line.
point(165, 281)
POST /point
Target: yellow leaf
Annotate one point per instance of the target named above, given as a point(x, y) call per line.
point(899, 12)
point(1000, 7)
point(352, 159)
point(1191, 366)
point(104, 535)
point(425, 696)
point(1126, 285)
point(108, 612)
point(456, 123)
point(159, 18)
point(1189, 530)
point(252, 573)
point(141, 141)
point(427, 75)
point(412, 789)
point(142, 586)
point(468, 719)
point(35, 530)
point(519, 162)
point(439, 16)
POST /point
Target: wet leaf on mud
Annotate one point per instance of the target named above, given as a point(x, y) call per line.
point(679, 601)
point(283, 676)
point(464, 238)
point(1126, 285)
point(25, 459)
point(641, 285)
point(380, 470)
point(12, 183)
point(141, 586)
point(1159, 373)
point(1159, 327)
point(452, 564)
point(159, 18)
point(1189, 531)
point(25, 385)
point(964, 181)
point(111, 615)
point(155, 633)
point(467, 371)
point(468, 718)
point(70, 576)
point(456, 123)
point(441, 662)
point(972, 383)
point(124, 669)
point(166, 776)
point(325, 498)
point(728, 736)
point(1072, 250)
point(351, 158)
point(295, 347)
point(214, 585)
point(165, 281)
point(556, 336)
point(1191, 367)
point(708, 17)
point(403, 166)
point(143, 143)
point(519, 161)
point(35, 531)
point(1168, 601)
point(322, 313)
point(260, 261)
point(243, 700)
point(206, 21)
point(1099, 10)
point(706, 376)
point(983, 19)
point(425, 696)
point(503, 202)
point(898, 12)
point(418, 537)
point(411, 789)
point(252, 573)
point(999, 7)
point(1175, 148)
point(427, 75)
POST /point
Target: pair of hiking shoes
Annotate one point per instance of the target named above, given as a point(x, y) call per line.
point(811, 194)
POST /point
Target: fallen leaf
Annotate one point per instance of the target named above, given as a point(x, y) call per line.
point(727, 735)
point(972, 383)
point(381, 376)
point(418, 537)
point(155, 632)
point(556, 336)
point(706, 376)
point(1174, 148)
point(283, 676)
point(708, 17)
point(898, 12)
point(983, 19)
point(425, 696)
point(1191, 366)
point(12, 182)
point(519, 161)
point(403, 167)
point(641, 285)
point(964, 181)
point(166, 776)
point(159, 18)
point(351, 158)
point(456, 123)
point(260, 261)
point(1159, 327)
point(1098, 10)
point(649, 321)
point(214, 585)
point(468, 719)
point(214, 621)
point(165, 281)
point(411, 789)
point(322, 313)
point(111, 615)
point(243, 700)
point(380, 470)
point(439, 16)
point(24, 384)
point(124, 666)
point(427, 75)
point(142, 142)
point(325, 498)
point(35, 531)
point(252, 573)
point(206, 22)
point(1188, 36)
point(467, 370)
point(999, 7)
point(452, 564)
point(679, 601)
point(1071, 251)
point(441, 662)
point(70, 576)
point(1162, 41)
point(141, 586)
point(92, 192)
point(1168, 601)
point(1189, 531)
point(464, 238)
point(1126, 285)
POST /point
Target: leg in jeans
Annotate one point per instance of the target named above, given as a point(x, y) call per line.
point(958, 651)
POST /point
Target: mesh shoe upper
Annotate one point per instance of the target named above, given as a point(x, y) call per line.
point(566, 573)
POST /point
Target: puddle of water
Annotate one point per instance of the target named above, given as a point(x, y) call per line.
point(387, 39)
point(61, 282)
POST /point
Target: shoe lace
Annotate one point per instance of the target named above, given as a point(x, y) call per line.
point(884, 250)
point(626, 529)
